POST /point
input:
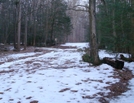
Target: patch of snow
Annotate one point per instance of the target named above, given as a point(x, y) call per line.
point(78, 45)
point(15, 56)
point(59, 76)
point(104, 53)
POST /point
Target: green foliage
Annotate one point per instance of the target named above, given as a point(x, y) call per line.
point(122, 23)
point(58, 21)
point(88, 59)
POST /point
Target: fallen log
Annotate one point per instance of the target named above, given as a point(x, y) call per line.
point(126, 59)
point(117, 64)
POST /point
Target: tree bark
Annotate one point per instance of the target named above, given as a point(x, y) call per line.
point(15, 28)
point(19, 27)
point(114, 29)
point(113, 21)
point(117, 64)
point(93, 38)
point(25, 36)
point(46, 25)
point(132, 47)
point(34, 33)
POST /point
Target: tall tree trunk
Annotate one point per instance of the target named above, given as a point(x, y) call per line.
point(34, 38)
point(123, 49)
point(113, 23)
point(36, 4)
point(15, 28)
point(6, 34)
point(52, 30)
point(19, 27)
point(113, 27)
point(25, 36)
point(132, 47)
point(46, 25)
point(93, 38)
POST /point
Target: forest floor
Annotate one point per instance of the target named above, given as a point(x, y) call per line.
point(58, 75)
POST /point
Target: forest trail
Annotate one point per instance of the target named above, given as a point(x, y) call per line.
point(54, 75)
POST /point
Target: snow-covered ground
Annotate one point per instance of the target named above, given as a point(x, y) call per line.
point(57, 76)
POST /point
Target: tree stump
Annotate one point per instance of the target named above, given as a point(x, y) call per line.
point(118, 64)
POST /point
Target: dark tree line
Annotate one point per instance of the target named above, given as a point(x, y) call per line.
point(111, 27)
point(33, 22)
point(39, 22)
point(114, 25)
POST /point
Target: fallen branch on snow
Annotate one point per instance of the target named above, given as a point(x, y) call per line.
point(118, 64)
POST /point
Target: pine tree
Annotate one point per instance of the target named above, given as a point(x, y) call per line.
point(115, 25)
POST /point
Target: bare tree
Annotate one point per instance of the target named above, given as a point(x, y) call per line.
point(26, 24)
point(19, 26)
point(91, 8)
point(93, 38)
